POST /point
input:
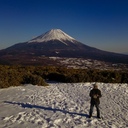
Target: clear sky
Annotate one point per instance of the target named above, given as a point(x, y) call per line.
point(98, 23)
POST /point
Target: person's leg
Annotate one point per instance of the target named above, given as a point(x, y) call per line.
point(91, 110)
point(98, 110)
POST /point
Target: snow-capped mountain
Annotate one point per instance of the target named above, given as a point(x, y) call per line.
point(54, 34)
point(58, 44)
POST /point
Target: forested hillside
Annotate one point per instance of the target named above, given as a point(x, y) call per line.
point(37, 75)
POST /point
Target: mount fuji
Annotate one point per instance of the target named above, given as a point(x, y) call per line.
point(54, 34)
point(58, 44)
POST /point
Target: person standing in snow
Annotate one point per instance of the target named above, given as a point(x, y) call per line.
point(95, 94)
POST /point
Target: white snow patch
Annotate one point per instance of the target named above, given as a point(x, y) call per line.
point(63, 105)
point(54, 34)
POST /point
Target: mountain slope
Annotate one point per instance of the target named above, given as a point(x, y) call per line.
point(57, 43)
point(54, 34)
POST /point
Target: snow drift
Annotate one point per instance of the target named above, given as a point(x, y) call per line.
point(63, 105)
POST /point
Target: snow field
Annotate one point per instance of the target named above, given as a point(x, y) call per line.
point(62, 105)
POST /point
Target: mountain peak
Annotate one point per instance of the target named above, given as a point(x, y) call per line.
point(53, 34)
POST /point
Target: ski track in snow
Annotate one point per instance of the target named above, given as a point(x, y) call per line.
point(62, 105)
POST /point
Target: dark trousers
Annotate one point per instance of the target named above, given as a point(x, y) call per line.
point(97, 109)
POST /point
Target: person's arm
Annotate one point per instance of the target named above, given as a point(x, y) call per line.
point(90, 94)
point(99, 95)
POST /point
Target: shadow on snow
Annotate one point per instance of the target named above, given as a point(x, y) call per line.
point(26, 105)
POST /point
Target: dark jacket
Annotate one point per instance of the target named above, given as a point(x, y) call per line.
point(95, 94)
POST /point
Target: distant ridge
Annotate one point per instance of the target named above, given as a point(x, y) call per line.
point(58, 44)
point(126, 53)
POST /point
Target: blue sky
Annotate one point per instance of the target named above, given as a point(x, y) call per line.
point(98, 23)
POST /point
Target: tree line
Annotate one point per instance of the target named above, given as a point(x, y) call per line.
point(38, 75)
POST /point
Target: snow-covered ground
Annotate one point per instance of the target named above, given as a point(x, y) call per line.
point(63, 105)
